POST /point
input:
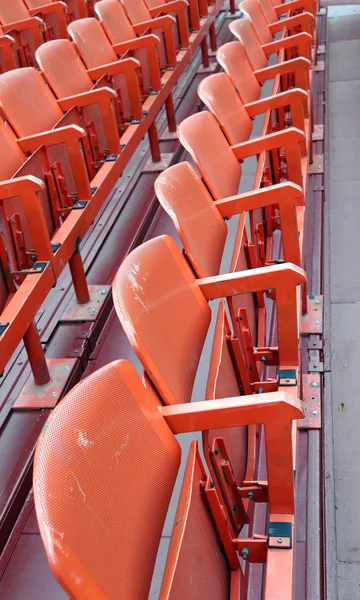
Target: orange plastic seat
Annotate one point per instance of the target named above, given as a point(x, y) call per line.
point(83, 434)
point(233, 59)
point(79, 9)
point(125, 42)
point(258, 53)
point(67, 76)
point(222, 99)
point(9, 55)
point(266, 30)
point(120, 28)
point(54, 14)
point(141, 16)
point(219, 163)
point(36, 111)
point(29, 31)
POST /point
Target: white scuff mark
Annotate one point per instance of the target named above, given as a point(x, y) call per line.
point(58, 545)
point(79, 486)
point(137, 288)
point(82, 439)
point(124, 445)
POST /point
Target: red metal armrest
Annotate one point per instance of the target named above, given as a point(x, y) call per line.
point(149, 43)
point(165, 23)
point(301, 41)
point(70, 136)
point(178, 7)
point(297, 99)
point(275, 410)
point(288, 138)
point(306, 5)
point(6, 43)
point(27, 189)
point(59, 9)
point(297, 66)
point(305, 21)
point(34, 24)
point(284, 279)
point(287, 195)
point(104, 97)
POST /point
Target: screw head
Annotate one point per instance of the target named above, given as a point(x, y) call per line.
point(67, 368)
point(212, 484)
point(251, 495)
point(54, 394)
point(245, 553)
point(260, 390)
point(280, 540)
point(315, 413)
point(263, 359)
point(93, 310)
point(216, 451)
point(278, 222)
point(315, 385)
point(317, 322)
point(317, 301)
point(269, 291)
point(287, 380)
point(234, 507)
point(103, 292)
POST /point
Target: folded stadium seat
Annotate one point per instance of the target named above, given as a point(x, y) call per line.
point(235, 118)
point(140, 15)
point(219, 162)
point(233, 59)
point(267, 30)
point(54, 14)
point(97, 51)
point(9, 55)
point(259, 53)
point(29, 31)
point(36, 110)
point(119, 29)
point(67, 76)
point(83, 435)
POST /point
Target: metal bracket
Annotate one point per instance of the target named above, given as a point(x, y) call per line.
point(317, 165)
point(86, 312)
point(35, 397)
point(169, 136)
point(111, 158)
point(55, 247)
point(321, 12)
point(321, 49)
point(225, 476)
point(318, 133)
point(320, 66)
point(287, 377)
point(312, 401)
point(157, 167)
point(80, 204)
point(312, 322)
point(280, 535)
point(210, 69)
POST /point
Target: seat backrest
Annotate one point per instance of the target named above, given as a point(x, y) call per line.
point(13, 11)
point(137, 11)
point(253, 11)
point(164, 315)
point(220, 96)
point(244, 31)
point(114, 20)
point(11, 157)
point(104, 472)
point(63, 68)
point(92, 43)
point(202, 137)
point(28, 102)
point(196, 567)
point(269, 11)
point(232, 57)
point(201, 228)
point(35, 3)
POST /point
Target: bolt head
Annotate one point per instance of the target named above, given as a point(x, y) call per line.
point(317, 322)
point(93, 310)
point(251, 495)
point(263, 359)
point(54, 394)
point(245, 553)
point(67, 368)
point(317, 301)
point(280, 540)
point(315, 413)
point(260, 390)
point(315, 385)
point(287, 380)
point(103, 292)
point(278, 222)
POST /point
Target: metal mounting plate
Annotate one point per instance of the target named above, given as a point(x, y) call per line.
point(169, 136)
point(320, 66)
point(157, 167)
point(317, 165)
point(318, 133)
point(35, 397)
point(312, 401)
point(210, 69)
point(321, 49)
point(312, 322)
point(86, 312)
